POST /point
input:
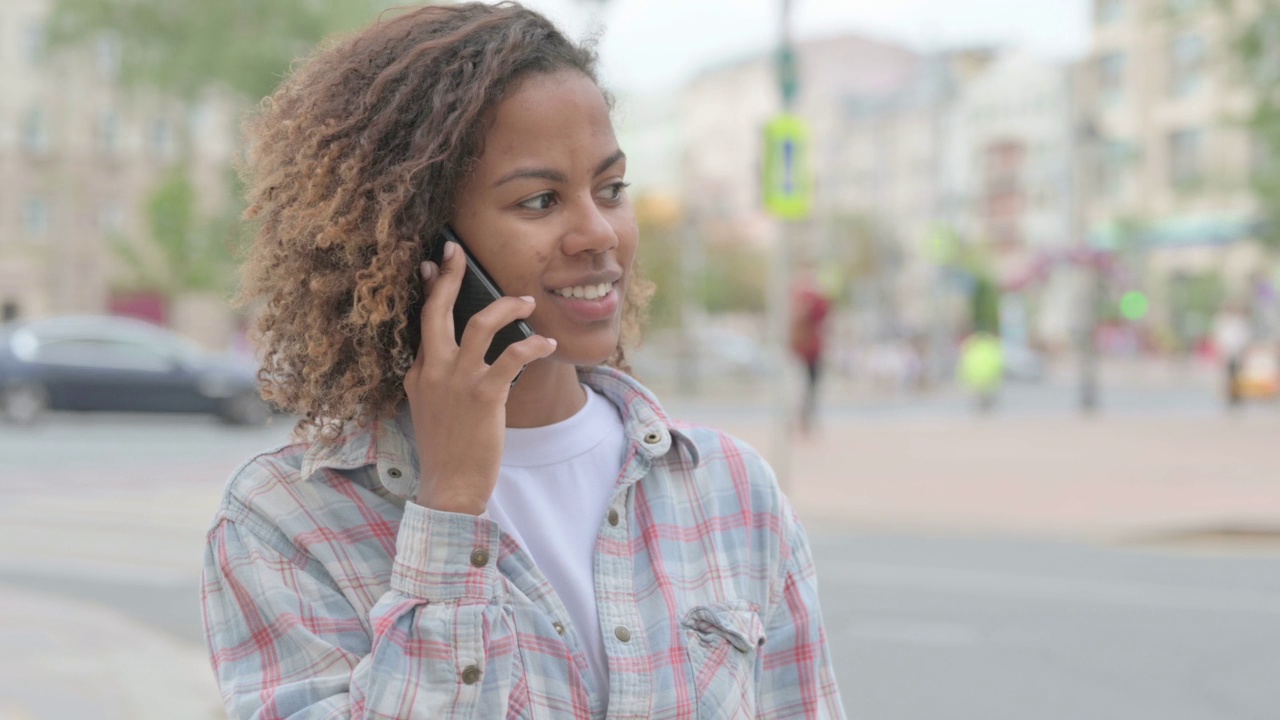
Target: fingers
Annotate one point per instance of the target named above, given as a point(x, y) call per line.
point(484, 325)
point(442, 293)
point(517, 355)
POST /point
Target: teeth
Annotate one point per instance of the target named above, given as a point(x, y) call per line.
point(586, 292)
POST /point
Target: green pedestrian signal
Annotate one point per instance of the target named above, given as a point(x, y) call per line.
point(788, 184)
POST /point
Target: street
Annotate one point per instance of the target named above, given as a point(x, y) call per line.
point(1004, 587)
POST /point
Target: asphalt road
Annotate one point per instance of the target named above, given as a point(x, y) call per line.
point(110, 512)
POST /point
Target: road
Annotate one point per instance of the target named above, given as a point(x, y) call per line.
point(104, 518)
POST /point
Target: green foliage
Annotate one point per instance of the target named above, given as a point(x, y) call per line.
point(737, 278)
point(184, 47)
point(182, 251)
point(659, 255)
point(1254, 53)
point(985, 305)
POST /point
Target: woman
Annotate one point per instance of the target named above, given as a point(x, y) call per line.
point(439, 542)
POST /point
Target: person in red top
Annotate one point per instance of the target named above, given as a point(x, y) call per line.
point(809, 309)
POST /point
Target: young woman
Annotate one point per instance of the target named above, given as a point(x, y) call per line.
point(440, 543)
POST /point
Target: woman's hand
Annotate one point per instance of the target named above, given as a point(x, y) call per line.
point(458, 402)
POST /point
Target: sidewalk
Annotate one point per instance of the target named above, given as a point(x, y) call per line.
point(65, 659)
point(1106, 479)
point(1103, 479)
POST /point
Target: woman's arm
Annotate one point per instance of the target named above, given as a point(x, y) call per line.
point(286, 643)
point(794, 665)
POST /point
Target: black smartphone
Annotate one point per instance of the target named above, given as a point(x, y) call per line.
point(478, 291)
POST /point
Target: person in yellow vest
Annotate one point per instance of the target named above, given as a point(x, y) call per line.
point(981, 368)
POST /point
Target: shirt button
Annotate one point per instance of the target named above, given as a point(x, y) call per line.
point(394, 473)
point(471, 674)
point(559, 628)
point(623, 634)
point(480, 558)
point(653, 438)
point(613, 517)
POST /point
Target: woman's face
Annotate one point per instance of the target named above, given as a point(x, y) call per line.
point(544, 211)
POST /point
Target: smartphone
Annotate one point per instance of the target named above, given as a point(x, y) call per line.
point(478, 291)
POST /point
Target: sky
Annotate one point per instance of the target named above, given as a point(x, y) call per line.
point(654, 45)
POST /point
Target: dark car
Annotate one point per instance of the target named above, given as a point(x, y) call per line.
point(114, 364)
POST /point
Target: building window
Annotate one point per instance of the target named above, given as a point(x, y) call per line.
point(109, 132)
point(1115, 157)
point(112, 218)
point(1111, 77)
point(1110, 11)
point(35, 217)
point(35, 131)
point(108, 51)
point(1186, 64)
point(34, 45)
point(1184, 158)
point(160, 139)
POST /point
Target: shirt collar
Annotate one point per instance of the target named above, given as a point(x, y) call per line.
point(387, 442)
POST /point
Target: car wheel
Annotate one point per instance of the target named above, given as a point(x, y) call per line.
point(246, 409)
point(24, 403)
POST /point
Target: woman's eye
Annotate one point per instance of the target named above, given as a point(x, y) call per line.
point(539, 202)
point(614, 191)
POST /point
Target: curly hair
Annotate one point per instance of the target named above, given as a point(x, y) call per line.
point(351, 170)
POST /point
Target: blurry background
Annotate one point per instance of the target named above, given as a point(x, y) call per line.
point(1077, 518)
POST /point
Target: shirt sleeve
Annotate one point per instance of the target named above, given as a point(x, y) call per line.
point(794, 665)
point(286, 643)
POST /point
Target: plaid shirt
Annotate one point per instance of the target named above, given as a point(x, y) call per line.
point(328, 593)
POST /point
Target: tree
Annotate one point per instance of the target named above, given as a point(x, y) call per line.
point(183, 48)
point(661, 257)
point(185, 252)
point(1254, 56)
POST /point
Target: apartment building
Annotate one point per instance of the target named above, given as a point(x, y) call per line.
point(724, 110)
point(79, 155)
point(1167, 158)
point(1010, 185)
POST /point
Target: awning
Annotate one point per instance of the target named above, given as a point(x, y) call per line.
point(1183, 231)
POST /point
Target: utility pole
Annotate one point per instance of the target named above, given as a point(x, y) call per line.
point(780, 275)
point(1093, 289)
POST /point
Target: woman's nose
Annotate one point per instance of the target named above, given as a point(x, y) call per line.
point(591, 232)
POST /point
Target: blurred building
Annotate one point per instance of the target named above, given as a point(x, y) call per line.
point(1010, 189)
point(79, 155)
point(1167, 157)
point(882, 191)
point(724, 110)
point(876, 112)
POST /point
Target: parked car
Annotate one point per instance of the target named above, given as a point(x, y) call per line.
point(101, 363)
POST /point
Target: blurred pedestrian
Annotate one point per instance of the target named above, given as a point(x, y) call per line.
point(441, 540)
point(981, 368)
point(1231, 337)
point(809, 309)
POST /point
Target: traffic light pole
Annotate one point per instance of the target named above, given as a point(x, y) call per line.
point(779, 281)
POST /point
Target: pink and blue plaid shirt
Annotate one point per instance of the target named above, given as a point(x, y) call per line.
point(328, 593)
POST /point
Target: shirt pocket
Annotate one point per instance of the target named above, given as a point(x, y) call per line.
point(722, 641)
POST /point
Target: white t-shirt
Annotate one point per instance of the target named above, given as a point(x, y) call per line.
point(553, 492)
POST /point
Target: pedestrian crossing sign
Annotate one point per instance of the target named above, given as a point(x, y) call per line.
point(788, 184)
